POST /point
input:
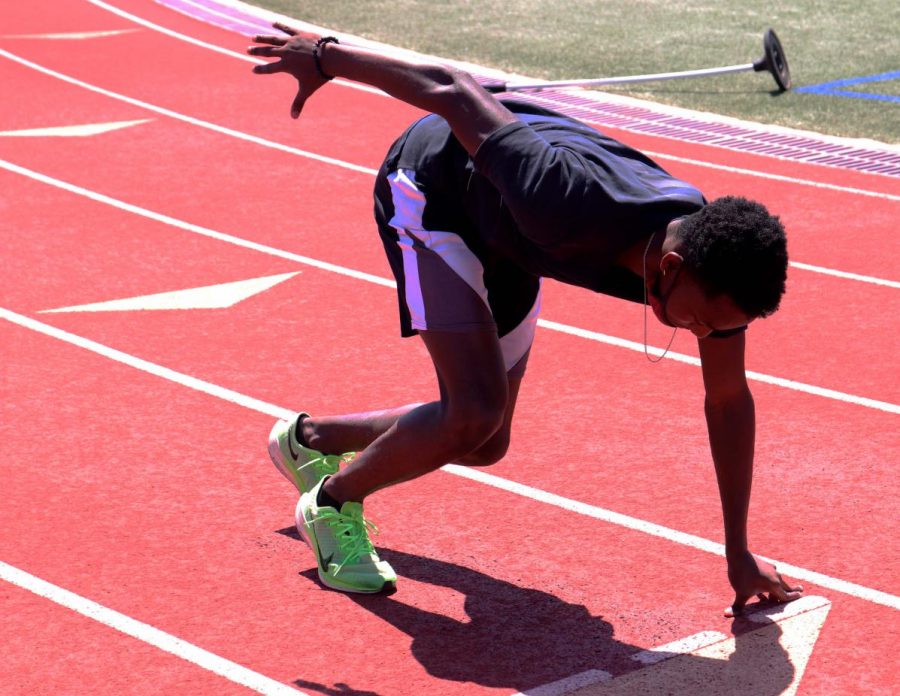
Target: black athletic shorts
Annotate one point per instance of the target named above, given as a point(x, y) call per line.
point(442, 284)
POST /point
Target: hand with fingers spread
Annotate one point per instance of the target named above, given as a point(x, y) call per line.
point(472, 113)
point(750, 575)
point(299, 55)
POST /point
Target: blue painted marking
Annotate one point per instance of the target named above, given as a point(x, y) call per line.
point(866, 95)
point(835, 88)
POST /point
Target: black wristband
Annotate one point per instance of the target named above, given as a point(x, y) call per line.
point(321, 42)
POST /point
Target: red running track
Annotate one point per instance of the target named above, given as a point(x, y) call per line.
point(159, 502)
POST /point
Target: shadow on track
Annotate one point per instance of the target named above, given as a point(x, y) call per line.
point(520, 638)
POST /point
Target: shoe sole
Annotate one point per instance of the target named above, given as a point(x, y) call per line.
point(300, 521)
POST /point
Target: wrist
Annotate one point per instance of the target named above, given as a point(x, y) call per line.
point(319, 52)
point(736, 534)
point(736, 551)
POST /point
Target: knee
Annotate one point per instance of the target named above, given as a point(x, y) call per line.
point(473, 426)
point(490, 452)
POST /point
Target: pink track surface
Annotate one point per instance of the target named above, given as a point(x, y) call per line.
point(160, 503)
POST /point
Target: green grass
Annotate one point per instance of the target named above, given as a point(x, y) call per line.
point(547, 39)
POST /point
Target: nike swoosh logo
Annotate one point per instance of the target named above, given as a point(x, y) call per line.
point(325, 560)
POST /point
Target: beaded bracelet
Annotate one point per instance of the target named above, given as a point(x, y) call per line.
point(321, 42)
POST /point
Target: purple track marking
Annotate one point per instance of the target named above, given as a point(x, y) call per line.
point(597, 108)
point(231, 18)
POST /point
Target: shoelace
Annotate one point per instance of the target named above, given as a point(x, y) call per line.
point(352, 533)
point(330, 462)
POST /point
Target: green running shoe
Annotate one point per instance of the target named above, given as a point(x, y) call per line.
point(346, 558)
point(302, 466)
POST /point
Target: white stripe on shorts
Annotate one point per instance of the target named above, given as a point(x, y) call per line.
point(516, 343)
point(409, 207)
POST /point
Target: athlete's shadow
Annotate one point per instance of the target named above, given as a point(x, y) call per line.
point(519, 638)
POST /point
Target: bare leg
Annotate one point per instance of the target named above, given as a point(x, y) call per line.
point(494, 449)
point(472, 409)
point(352, 432)
point(356, 431)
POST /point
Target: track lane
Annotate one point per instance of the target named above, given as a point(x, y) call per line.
point(867, 213)
point(216, 88)
point(48, 649)
point(324, 236)
point(130, 156)
point(234, 45)
point(853, 254)
point(449, 607)
point(279, 333)
point(226, 524)
point(238, 45)
point(286, 172)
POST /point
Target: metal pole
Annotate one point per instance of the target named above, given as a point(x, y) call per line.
point(706, 72)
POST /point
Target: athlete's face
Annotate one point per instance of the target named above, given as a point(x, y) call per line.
point(678, 300)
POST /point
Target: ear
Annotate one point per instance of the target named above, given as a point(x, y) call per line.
point(670, 262)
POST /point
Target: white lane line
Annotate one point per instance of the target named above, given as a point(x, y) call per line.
point(72, 35)
point(775, 177)
point(673, 535)
point(147, 366)
point(148, 634)
point(592, 511)
point(212, 47)
point(355, 85)
point(384, 282)
point(195, 229)
point(845, 274)
point(751, 375)
point(187, 119)
point(83, 130)
point(256, 140)
point(169, 32)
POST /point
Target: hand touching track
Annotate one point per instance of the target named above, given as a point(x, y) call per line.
point(750, 575)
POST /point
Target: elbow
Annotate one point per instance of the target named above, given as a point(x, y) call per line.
point(444, 82)
point(453, 89)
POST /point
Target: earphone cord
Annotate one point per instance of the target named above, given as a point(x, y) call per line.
point(672, 339)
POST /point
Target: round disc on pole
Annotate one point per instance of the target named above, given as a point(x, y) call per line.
point(774, 61)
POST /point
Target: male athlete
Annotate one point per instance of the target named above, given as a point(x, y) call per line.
point(476, 203)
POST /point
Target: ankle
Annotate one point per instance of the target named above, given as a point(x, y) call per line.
point(306, 432)
point(326, 498)
point(335, 489)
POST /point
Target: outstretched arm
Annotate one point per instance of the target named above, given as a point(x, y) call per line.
point(731, 421)
point(473, 113)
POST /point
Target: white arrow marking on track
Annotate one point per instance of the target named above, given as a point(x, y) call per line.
point(207, 297)
point(72, 35)
point(771, 659)
point(81, 131)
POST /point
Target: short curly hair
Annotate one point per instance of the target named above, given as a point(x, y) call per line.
point(734, 246)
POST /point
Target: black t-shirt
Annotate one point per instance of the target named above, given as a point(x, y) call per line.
point(576, 198)
point(554, 196)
